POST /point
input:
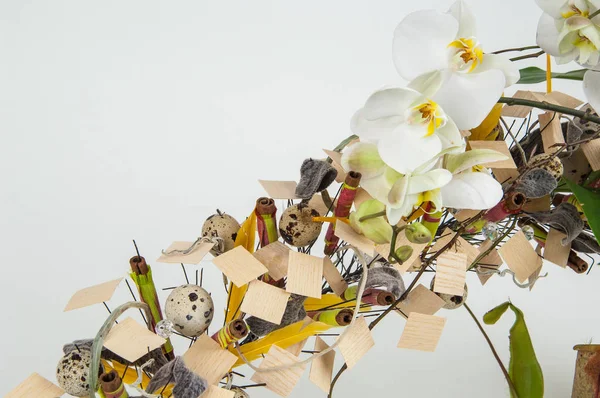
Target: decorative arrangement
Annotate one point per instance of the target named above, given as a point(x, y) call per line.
point(443, 176)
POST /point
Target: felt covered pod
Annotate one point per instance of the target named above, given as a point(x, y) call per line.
point(296, 225)
point(191, 310)
point(222, 226)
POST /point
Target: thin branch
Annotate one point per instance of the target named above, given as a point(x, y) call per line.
point(522, 57)
point(374, 215)
point(516, 49)
point(550, 107)
point(508, 380)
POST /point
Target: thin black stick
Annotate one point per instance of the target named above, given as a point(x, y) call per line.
point(135, 299)
point(185, 273)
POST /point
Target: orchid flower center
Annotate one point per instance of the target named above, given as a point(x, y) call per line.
point(570, 10)
point(427, 113)
point(466, 54)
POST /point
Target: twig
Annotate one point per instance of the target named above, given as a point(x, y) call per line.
point(534, 55)
point(508, 380)
point(516, 49)
point(550, 107)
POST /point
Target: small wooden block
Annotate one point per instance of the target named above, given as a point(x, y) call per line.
point(533, 277)
point(421, 300)
point(317, 203)
point(422, 332)
point(538, 204)
point(208, 360)
point(280, 189)
point(321, 368)
point(35, 386)
point(194, 257)
point(296, 349)
point(305, 275)
point(356, 341)
point(564, 99)
point(93, 295)
point(217, 392)
point(499, 146)
point(336, 158)
point(505, 175)
point(281, 382)
point(274, 256)
point(450, 273)
point(551, 131)
point(402, 240)
point(347, 234)
point(576, 165)
point(131, 340)
point(490, 262)
point(520, 256)
point(465, 214)
point(521, 111)
point(554, 251)
point(334, 277)
point(239, 266)
point(591, 150)
point(361, 196)
point(460, 246)
point(265, 301)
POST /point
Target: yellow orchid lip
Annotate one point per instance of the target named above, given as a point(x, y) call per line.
point(429, 113)
point(468, 50)
point(574, 10)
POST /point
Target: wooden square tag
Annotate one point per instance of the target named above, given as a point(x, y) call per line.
point(93, 295)
point(193, 257)
point(459, 246)
point(499, 146)
point(520, 256)
point(551, 131)
point(274, 256)
point(265, 301)
point(421, 300)
point(321, 368)
point(591, 150)
point(280, 189)
point(217, 392)
point(296, 349)
point(336, 158)
point(334, 277)
point(554, 251)
point(239, 266)
point(317, 203)
point(281, 382)
point(450, 273)
point(357, 341)
point(347, 234)
point(35, 386)
point(131, 340)
point(305, 275)
point(361, 196)
point(208, 360)
point(505, 175)
point(422, 332)
point(490, 262)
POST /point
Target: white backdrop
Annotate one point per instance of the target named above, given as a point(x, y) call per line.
point(137, 119)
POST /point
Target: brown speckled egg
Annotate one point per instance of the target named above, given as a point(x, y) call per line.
point(239, 393)
point(191, 310)
point(223, 226)
point(72, 373)
point(548, 162)
point(296, 226)
point(452, 302)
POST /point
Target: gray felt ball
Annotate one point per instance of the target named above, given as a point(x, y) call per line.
point(191, 310)
point(223, 226)
point(72, 373)
point(297, 227)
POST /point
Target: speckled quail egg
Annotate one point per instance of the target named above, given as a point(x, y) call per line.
point(223, 226)
point(191, 310)
point(452, 302)
point(239, 393)
point(296, 225)
point(548, 162)
point(72, 373)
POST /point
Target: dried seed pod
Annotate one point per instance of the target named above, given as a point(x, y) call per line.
point(296, 225)
point(223, 226)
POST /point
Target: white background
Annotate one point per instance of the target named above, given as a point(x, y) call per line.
point(137, 119)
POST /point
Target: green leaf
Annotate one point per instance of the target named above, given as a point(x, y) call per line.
point(524, 369)
point(590, 202)
point(534, 74)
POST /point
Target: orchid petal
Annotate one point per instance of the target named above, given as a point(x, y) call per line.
point(464, 161)
point(551, 7)
point(547, 35)
point(372, 130)
point(398, 192)
point(431, 180)
point(363, 158)
point(467, 26)
point(591, 88)
point(420, 42)
point(469, 98)
point(494, 61)
point(428, 83)
point(378, 230)
point(434, 196)
point(472, 190)
point(390, 102)
point(405, 149)
point(379, 187)
point(450, 135)
point(394, 214)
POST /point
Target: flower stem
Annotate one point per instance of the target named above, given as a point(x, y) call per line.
point(487, 338)
point(550, 107)
point(595, 13)
point(516, 49)
point(534, 55)
point(374, 215)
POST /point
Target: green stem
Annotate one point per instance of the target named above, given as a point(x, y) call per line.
point(595, 13)
point(487, 338)
point(534, 55)
point(550, 107)
point(370, 216)
point(516, 49)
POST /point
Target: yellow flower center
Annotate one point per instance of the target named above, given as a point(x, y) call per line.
point(467, 54)
point(428, 113)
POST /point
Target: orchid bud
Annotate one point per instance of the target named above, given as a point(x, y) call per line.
point(404, 252)
point(417, 233)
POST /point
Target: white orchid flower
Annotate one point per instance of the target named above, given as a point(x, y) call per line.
point(400, 193)
point(472, 187)
point(441, 56)
point(407, 128)
point(566, 32)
